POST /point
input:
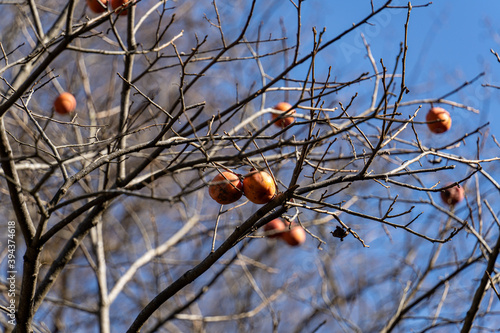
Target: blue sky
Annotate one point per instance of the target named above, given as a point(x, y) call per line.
point(449, 44)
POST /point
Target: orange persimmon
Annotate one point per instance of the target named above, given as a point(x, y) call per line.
point(438, 120)
point(226, 188)
point(259, 187)
point(65, 103)
point(286, 121)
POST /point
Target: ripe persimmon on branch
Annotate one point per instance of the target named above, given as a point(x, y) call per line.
point(188, 166)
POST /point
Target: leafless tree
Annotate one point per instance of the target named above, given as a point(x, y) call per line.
point(107, 209)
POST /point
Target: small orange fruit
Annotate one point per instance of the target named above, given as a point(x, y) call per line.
point(65, 103)
point(295, 236)
point(259, 187)
point(274, 227)
point(96, 7)
point(438, 120)
point(226, 188)
point(283, 107)
point(453, 195)
point(118, 3)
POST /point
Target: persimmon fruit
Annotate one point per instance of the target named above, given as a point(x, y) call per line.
point(275, 228)
point(295, 235)
point(96, 7)
point(226, 188)
point(453, 195)
point(259, 187)
point(65, 103)
point(438, 120)
point(286, 121)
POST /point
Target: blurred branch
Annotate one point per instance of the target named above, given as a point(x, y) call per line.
point(248, 314)
point(391, 324)
point(148, 256)
point(200, 293)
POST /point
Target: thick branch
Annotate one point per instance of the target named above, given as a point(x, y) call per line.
point(212, 258)
point(481, 289)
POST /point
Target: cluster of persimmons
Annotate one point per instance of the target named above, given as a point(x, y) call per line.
point(259, 187)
